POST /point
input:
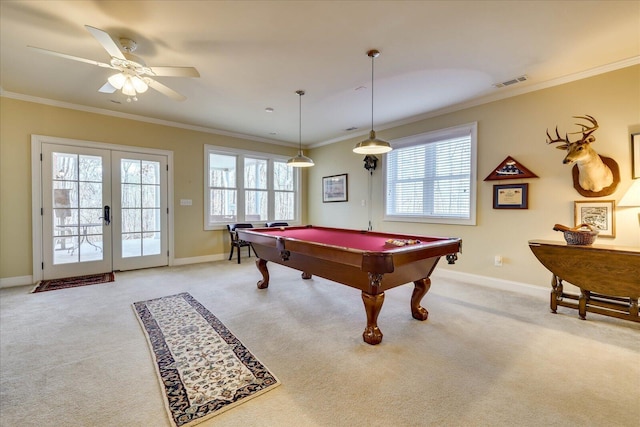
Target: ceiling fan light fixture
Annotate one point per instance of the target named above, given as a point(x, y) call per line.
point(128, 88)
point(372, 145)
point(300, 161)
point(139, 84)
point(117, 80)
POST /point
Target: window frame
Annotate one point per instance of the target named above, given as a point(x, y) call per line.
point(470, 129)
point(240, 156)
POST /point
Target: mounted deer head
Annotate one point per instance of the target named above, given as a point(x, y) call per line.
point(595, 176)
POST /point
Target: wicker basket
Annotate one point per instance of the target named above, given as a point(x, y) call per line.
point(584, 234)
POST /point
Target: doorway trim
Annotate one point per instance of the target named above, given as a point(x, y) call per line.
point(36, 190)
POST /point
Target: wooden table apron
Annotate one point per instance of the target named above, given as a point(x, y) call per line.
point(371, 272)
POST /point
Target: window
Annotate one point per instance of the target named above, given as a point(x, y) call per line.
point(244, 186)
point(431, 177)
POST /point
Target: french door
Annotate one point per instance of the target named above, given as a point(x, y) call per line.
point(102, 210)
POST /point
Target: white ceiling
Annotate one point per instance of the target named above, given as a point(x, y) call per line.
point(435, 56)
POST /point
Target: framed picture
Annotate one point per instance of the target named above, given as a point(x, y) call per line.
point(635, 155)
point(334, 188)
point(511, 196)
point(600, 214)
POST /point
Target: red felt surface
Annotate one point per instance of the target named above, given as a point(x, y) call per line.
point(353, 239)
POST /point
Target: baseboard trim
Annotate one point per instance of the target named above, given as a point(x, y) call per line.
point(494, 283)
point(199, 259)
point(10, 282)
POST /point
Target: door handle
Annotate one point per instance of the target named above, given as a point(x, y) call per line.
point(107, 215)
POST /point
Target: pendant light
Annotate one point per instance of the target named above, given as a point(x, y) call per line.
point(300, 161)
point(372, 145)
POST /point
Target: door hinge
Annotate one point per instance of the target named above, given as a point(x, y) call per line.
point(41, 211)
point(43, 265)
point(40, 156)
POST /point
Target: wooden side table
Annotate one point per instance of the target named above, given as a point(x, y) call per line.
point(608, 277)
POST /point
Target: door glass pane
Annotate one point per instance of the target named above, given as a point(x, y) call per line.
point(77, 208)
point(90, 168)
point(150, 173)
point(131, 220)
point(64, 166)
point(151, 244)
point(141, 201)
point(131, 196)
point(131, 245)
point(151, 220)
point(130, 171)
point(150, 196)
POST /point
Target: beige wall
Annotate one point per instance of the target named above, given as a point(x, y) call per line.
point(512, 127)
point(19, 120)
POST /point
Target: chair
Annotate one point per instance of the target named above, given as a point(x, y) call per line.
point(277, 224)
point(237, 243)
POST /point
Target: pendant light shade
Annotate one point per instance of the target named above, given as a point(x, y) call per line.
point(300, 161)
point(372, 145)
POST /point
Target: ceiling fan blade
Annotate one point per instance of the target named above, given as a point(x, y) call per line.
point(106, 41)
point(107, 88)
point(75, 58)
point(165, 90)
point(175, 71)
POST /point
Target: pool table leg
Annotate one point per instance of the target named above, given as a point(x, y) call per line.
point(421, 288)
point(262, 267)
point(372, 305)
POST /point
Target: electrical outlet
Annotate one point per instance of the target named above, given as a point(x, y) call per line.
point(185, 202)
point(497, 261)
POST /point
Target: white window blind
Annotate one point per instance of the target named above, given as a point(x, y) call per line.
point(431, 177)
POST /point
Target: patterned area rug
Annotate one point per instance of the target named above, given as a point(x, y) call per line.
point(73, 282)
point(202, 367)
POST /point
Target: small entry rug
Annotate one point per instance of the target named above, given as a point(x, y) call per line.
point(72, 282)
point(202, 367)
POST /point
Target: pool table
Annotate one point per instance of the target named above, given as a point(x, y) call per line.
point(364, 260)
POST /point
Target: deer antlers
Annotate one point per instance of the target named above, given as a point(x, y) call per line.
point(586, 133)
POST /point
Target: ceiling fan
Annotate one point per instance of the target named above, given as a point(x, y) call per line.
point(133, 75)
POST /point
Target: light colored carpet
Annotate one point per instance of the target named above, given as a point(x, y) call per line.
point(77, 357)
